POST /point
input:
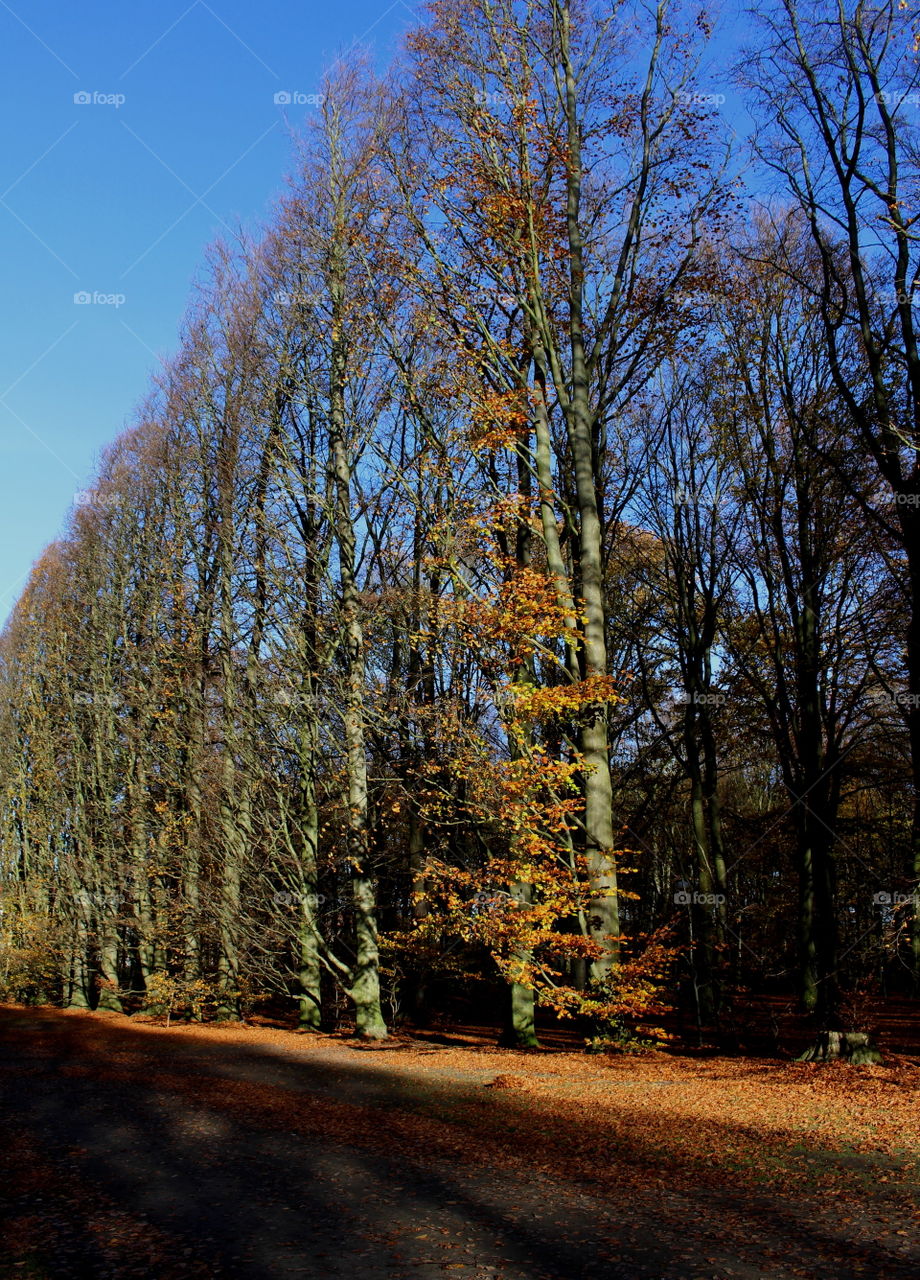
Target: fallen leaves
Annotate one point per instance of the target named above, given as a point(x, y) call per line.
point(723, 1140)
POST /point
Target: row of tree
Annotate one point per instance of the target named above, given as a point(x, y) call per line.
point(516, 574)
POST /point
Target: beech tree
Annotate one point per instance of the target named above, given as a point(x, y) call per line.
point(688, 502)
point(496, 561)
point(807, 565)
point(556, 186)
point(834, 88)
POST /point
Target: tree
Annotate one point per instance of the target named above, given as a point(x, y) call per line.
point(809, 570)
point(572, 212)
point(833, 87)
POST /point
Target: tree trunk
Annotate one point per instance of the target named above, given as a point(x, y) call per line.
point(365, 982)
point(76, 978)
point(309, 971)
point(604, 924)
point(850, 1046)
point(520, 1030)
point(108, 953)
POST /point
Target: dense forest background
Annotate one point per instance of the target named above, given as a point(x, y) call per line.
point(509, 594)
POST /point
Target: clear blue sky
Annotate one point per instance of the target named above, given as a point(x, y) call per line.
point(121, 198)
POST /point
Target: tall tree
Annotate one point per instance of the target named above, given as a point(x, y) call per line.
point(835, 88)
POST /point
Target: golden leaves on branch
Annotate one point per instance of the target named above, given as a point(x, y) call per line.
point(533, 703)
point(499, 419)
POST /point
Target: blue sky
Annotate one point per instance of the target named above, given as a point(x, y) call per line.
point(136, 134)
point(119, 199)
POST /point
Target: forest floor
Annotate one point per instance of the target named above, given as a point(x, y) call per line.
point(131, 1150)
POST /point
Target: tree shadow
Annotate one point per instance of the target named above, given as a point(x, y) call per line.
point(268, 1164)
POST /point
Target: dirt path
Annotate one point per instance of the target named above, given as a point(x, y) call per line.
point(132, 1151)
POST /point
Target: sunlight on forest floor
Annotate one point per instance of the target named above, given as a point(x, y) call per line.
point(135, 1150)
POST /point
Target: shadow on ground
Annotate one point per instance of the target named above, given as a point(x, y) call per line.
point(136, 1152)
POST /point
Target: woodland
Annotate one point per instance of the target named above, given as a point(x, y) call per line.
point(504, 605)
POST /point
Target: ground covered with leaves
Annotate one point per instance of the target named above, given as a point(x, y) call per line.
point(133, 1150)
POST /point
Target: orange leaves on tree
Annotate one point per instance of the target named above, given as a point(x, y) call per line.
point(512, 620)
point(535, 703)
point(499, 418)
